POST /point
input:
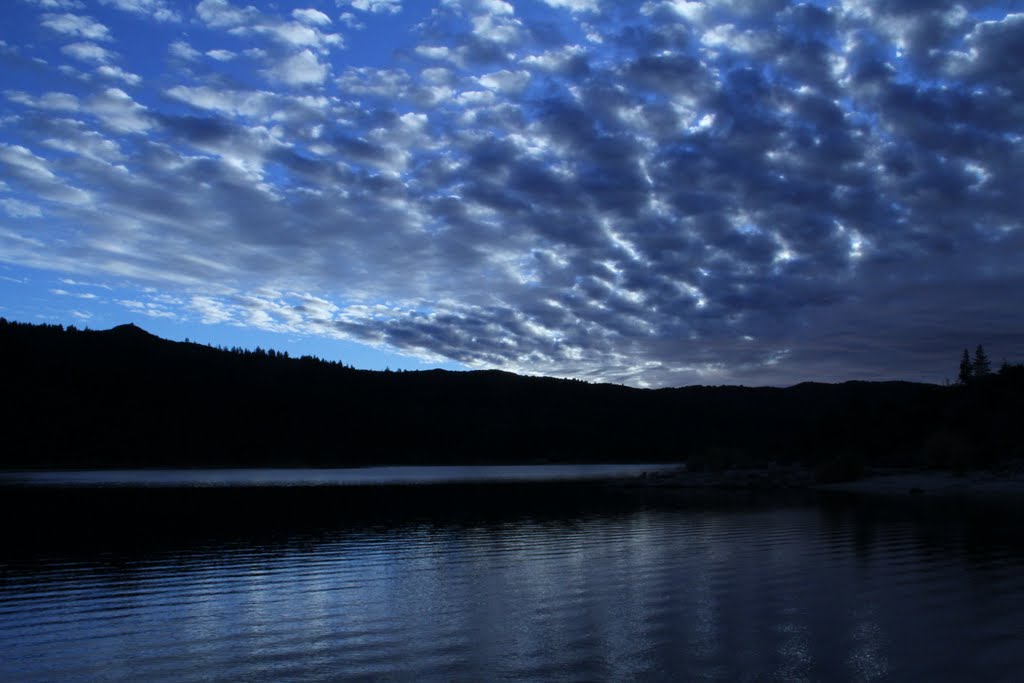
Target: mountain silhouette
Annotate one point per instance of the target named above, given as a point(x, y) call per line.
point(125, 397)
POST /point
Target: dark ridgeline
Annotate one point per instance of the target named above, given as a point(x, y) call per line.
point(123, 397)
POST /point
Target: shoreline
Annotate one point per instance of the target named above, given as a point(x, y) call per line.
point(886, 482)
point(1007, 482)
point(933, 484)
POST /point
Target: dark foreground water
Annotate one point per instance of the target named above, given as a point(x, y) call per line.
point(533, 582)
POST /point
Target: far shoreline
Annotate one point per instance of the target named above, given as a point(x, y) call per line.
point(1007, 482)
point(909, 482)
point(932, 483)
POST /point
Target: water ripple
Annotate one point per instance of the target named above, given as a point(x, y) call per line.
point(770, 592)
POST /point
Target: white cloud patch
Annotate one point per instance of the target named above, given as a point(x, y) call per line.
point(77, 295)
point(352, 21)
point(247, 21)
point(393, 83)
point(377, 6)
point(20, 209)
point(151, 309)
point(78, 283)
point(155, 9)
point(220, 55)
point(58, 4)
point(53, 101)
point(255, 104)
point(476, 98)
point(295, 34)
point(554, 60)
point(497, 24)
point(574, 5)
point(222, 14)
point(433, 51)
point(505, 82)
point(183, 50)
point(496, 7)
point(89, 52)
point(119, 74)
point(691, 10)
point(119, 111)
point(302, 68)
point(77, 26)
point(22, 162)
point(76, 139)
point(311, 16)
point(211, 311)
point(33, 173)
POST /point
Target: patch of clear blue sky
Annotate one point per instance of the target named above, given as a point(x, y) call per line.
point(39, 296)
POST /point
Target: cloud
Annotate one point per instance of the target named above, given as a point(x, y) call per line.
point(58, 4)
point(55, 101)
point(77, 26)
point(221, 55)
point(504, 81)
point(89, 52)
point(303, 33)
point(392, 83)
point(79, 295)
point(257, 104)
point(295, 34)
point(311, 16)
point(155, 9)
point(148, 308)
point(574, 5)
point(33, 173)
point(115, 108)
point(301, 68)
point(222, 14)
point(19, 209)
point(117, 73)
point(376, 6)
point(672, 193)
point(993, 53)
point(183, 50)
point(74, 137)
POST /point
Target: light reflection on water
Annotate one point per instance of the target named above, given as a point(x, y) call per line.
point(337, 476)
point(709, 590)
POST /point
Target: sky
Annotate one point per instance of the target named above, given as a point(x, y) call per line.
point(652, 193)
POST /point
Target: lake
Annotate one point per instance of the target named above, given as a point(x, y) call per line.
point(568, 580)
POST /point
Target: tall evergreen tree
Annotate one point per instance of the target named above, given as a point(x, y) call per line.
point(982, 366)
point(966, 368)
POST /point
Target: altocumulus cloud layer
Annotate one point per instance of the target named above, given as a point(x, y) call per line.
point(655, 193)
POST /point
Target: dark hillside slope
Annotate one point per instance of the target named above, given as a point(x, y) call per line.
point(124, 397)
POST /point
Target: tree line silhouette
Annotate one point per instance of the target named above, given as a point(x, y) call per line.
point(978, 368)
point(126, 398)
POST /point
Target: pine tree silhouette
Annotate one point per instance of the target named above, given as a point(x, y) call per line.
point(982, 366)
point(966, 369)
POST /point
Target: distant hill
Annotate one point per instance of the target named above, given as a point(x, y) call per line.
point(124, 397)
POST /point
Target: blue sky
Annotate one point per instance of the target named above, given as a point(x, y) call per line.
point(655, 193)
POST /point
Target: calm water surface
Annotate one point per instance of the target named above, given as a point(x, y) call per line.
point(521, 583)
